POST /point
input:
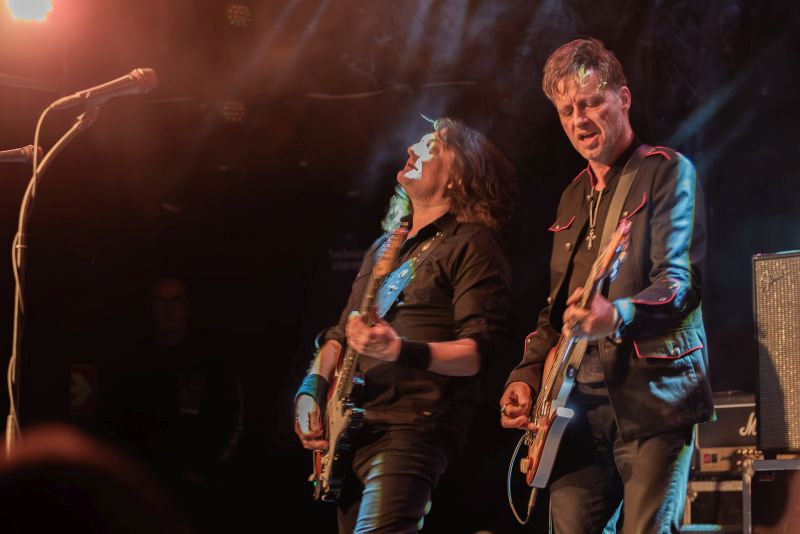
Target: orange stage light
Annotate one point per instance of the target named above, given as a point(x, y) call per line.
point(239, 15)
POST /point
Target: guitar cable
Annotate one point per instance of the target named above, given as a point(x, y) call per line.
point(531, 499)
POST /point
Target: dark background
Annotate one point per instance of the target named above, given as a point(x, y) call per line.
point(268, 214)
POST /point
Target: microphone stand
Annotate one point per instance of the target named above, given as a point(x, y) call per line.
point(18, 258)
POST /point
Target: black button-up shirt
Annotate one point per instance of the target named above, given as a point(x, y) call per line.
point(461, 290)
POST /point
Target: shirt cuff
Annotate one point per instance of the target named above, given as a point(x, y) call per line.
point(625, 311)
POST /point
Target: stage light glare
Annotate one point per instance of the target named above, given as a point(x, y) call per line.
point(239, 15)
point(30, 10)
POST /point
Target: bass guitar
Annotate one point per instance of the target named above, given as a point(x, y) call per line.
point(342, 412)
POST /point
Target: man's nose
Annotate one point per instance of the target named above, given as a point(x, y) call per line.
point(416, 150)
point(580, 117)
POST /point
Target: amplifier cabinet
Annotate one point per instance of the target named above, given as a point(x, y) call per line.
point(776, 309)
point(721, 445)
point(771, 496)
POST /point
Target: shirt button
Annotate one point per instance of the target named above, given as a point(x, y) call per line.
point(549, 300)
point(568, 246)
point(625, 213)
point(556, 227)
point(676, 351)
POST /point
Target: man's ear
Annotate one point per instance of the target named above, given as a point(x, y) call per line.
point(625, 98)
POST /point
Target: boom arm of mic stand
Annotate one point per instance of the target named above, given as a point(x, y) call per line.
point(82, 122)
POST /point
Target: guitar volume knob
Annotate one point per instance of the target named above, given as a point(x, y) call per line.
point(524, 465)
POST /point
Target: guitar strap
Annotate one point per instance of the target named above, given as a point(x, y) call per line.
point(620, 194)
point(397, 280)
point(612, 219)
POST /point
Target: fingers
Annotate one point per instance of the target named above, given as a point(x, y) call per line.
point(310, 438)
point(378, 341)
point(577, 320)
point(308, 423)
point(311, 427)
point(516, 422)
point(515, 405)
point(355, 326)
point(314, 444)
point(593, 323)
point(575, 297)
point(307, 427)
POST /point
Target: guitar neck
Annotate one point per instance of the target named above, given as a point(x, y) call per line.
point(380, 270)
point(566, 345)
point(591, 287)
point(349, 364)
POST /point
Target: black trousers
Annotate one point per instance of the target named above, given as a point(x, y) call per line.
point(595, 470)
point(394, 472)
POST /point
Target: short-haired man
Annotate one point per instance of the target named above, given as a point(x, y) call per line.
point(643, 382)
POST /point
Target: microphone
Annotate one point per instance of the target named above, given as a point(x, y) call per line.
point(20, 155)
point(138, 82)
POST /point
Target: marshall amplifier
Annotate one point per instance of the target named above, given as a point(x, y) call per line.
point(723, 444)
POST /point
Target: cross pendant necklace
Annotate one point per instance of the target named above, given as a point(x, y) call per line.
point(594, 205)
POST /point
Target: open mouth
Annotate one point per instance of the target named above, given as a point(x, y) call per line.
point(587, 136)
point(410, 166)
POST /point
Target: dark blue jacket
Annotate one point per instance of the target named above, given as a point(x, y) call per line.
point(657, 376)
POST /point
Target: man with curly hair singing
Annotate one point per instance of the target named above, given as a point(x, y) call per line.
point(421, 361)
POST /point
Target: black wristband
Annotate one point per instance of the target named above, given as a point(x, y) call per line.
point(414, 354)
point(315, 386)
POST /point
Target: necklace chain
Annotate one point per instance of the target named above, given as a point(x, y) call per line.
point(594, 207)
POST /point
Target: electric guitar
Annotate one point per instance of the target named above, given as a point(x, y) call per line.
point(550, 413)
point(342, 413)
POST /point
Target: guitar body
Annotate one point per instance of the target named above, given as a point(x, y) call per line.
point(341, 419)
point(543, 446)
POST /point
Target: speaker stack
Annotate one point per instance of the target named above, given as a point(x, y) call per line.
point(771, 488)
point(746, 471)
point(776, 306)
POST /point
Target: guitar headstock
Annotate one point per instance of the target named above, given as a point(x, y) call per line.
point(391, 249)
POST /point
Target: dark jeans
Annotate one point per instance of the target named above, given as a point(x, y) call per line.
point(595, 470)
point(394, 473)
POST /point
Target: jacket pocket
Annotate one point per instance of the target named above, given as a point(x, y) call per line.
point(669, 346)
point(558, 227)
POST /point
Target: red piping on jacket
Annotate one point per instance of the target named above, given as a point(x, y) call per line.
point(668, 356)
point(525, 343)
point(657, 150)
point(644, 200)
point(563, 226)
point(589, 169)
